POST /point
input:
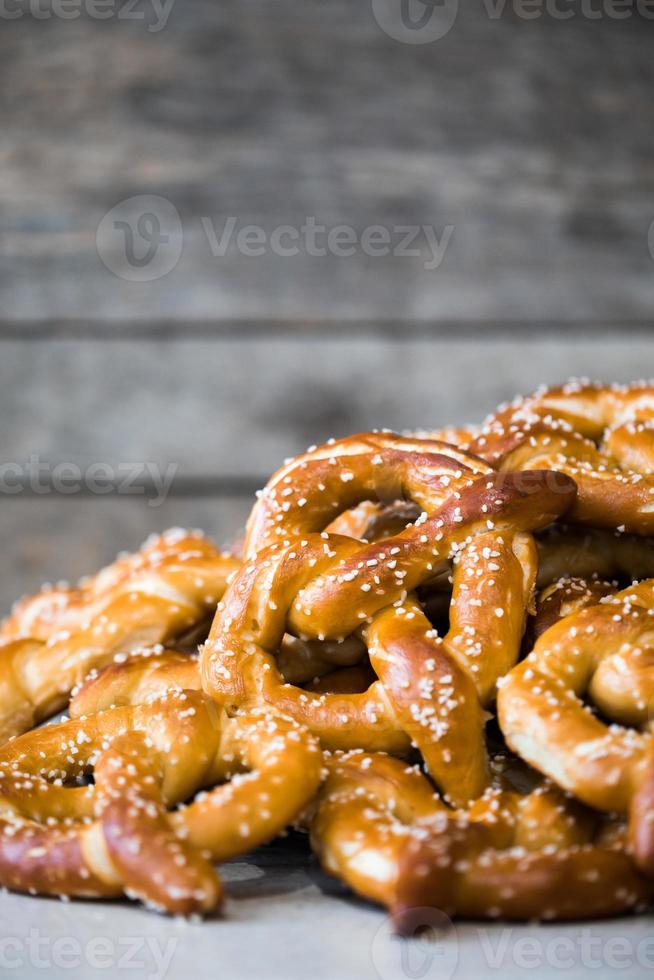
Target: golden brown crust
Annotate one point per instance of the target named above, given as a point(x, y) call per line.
point(116, 835)
point(378, 825)
point(563, 597)
point(135, 679)
point(351, 549)
point(603, 650)
point(582, 882)
point(148, 674)
point(51, 641)
point(310, 492)
point(321, 586)
point(601, 436)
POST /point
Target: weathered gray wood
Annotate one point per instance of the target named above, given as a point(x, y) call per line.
point(232, 410)
point(532, 138)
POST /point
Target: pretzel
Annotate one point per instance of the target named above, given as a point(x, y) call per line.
point(344, 680)
point(308, 493)
point(116, 836)
point(378, 826)
point(142, 676)
point(357, 487)
point(601, 436)
point(558, 600)
point(52, 640)
point(592, 554)
point(607, 651)
point(579, 566)
point(149, 673)
point(357, 554)
point(323, 586)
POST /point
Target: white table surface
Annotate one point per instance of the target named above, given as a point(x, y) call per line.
point(285, 920)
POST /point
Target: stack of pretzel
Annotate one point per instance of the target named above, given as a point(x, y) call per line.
point(435, 655)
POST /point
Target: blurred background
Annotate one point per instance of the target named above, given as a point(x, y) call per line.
point(233, 229)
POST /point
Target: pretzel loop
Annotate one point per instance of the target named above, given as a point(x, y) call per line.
point(601, 436)
point(117, 836)
point(379, 826)
point(325, 587)
point(52, 640)
point(607, 651)
point(312, 490)
point(327, 634)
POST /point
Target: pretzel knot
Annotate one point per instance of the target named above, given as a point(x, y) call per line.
point(323, 586)
point(607, 651)
point(53, 639)
point(378, 825)
point(592, 554)
point(562, 598)
point(117, 836)
point(601, 436)
point(310, 491)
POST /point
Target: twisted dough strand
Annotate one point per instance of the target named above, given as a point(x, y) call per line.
point(378, 825)
point(311, 491)
point(607, 651)
point(601, 436)
point(324, 587)
point(116, 836)
point(52, 640)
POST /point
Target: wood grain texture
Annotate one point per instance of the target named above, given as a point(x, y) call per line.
point(532, 138)
point(232, 410)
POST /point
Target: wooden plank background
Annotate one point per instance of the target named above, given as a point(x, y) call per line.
point(532, 139)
